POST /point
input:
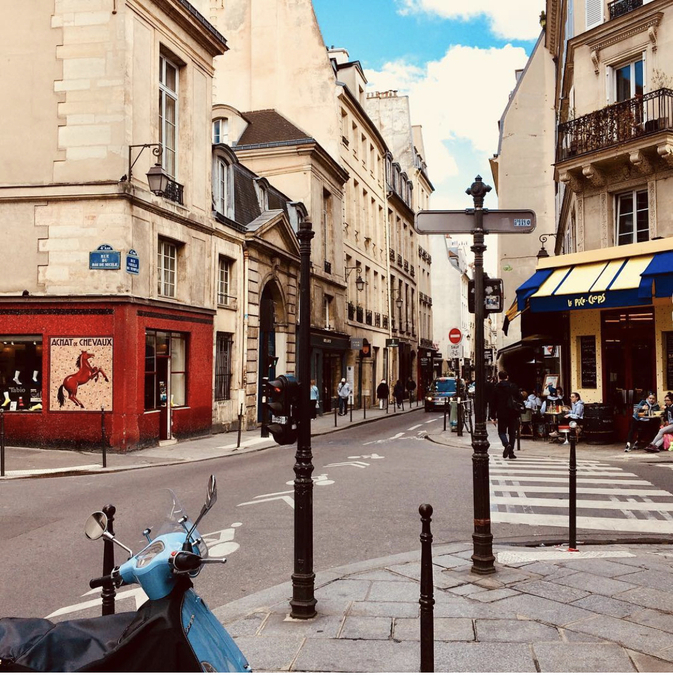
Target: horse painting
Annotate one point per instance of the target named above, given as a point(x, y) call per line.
point(85, 374)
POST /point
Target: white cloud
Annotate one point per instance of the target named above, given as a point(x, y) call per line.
point(509, 19)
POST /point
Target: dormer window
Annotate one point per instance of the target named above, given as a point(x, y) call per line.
point(262, 190)
point(221, 186)
point(221, 130)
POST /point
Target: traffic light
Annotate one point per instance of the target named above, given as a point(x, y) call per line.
point(281, 397)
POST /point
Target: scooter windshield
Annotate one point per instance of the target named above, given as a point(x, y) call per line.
point(175, 512)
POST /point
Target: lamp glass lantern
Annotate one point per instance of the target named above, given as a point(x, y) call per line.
point(398, 302)
point(360, 283)
point(157, 179)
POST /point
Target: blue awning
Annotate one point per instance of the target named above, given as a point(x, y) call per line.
point(529, 287)
point(660, 273)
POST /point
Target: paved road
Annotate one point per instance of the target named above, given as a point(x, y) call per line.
point(369, 482)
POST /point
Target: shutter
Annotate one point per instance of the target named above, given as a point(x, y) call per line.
point(594, 13)
point(570, 28)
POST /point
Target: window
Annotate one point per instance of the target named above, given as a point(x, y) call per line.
point(224, 281)
point(21, 372)
point(221, 130)
point(167, 263)
point(354, 130)
point(221, 178)
point(165, 369)
point(168, 113)
point(632, 217)
point(329, 304)
point(223, 348)
point(628, 81)
point(594, 12)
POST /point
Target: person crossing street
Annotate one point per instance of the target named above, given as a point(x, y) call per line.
point(505, 408)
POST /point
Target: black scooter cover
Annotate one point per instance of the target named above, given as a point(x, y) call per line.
point(151, 639)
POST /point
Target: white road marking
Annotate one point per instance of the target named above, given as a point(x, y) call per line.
point(505, 557)
point(392, 438)
point(563, 489)
point(245, 444)
point(585, 523)
point(414, 427)
point(501, 471)
point(287, 500)
point(33, 472)
point(136, 593)
point(358, 465)
point(372, 456)
point(613, 504)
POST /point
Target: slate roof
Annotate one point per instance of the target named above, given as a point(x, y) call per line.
point(269, 126)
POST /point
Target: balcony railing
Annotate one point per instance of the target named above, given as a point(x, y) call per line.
point(615, 124)
point(620, 7)
point(351, 311)
point(174, 191)
point(412, 271)
point(406, 265)
point(369, 317)
point(359, 314)
point(377, 319)
point(399, 260)
point(393, 325)
point(392, 255)
point(328, 267)
point(385, 321)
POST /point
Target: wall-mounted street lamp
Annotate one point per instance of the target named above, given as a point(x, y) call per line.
point(399, 302)
point(157, 178)
point(359, 281)
point(542, 253)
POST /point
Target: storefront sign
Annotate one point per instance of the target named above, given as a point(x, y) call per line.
point(330, 343)
point(356, 343)
point(392, 342)
point(132, 262)
point(588, 377)
point(80, 374)
point(105, 258)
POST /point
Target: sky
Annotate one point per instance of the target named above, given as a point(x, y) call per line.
point(456, 60)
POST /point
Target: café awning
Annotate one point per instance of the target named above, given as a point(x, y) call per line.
point(620, 276)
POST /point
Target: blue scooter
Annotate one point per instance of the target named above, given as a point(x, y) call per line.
point(174, 631)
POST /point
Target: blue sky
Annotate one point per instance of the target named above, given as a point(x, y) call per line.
point(455, 60)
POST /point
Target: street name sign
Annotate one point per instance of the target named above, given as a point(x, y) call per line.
point(132, 262)
point(462, 222)
point(104, 258)
point(356, 343)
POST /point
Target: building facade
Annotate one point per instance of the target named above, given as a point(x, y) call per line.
point(605, 298)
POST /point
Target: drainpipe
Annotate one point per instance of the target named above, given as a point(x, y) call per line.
point(244, 338)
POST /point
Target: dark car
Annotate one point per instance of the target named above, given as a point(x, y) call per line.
point(441, 389)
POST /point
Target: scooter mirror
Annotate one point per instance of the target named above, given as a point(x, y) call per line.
point(211, 496)
point(96, 525)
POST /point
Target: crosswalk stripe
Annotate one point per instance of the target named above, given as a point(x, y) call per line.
point(553, 472)
point(585, 522)
point(584, 503)
point(581, 490)
point(550, 479)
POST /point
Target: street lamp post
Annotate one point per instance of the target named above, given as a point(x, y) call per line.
point(482, 556)
point(303, 579)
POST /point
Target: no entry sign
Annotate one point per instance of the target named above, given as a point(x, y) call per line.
point(455, 336)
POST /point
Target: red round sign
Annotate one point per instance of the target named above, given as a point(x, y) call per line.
point(455, 336)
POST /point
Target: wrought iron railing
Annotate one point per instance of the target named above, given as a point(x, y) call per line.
point(412, 271)
point(392, 255)
point(393, 325)
point(369, 317)
point(351, 311)
point(377, 319)
point(615, 124)
point(406, 265)
point(413, 330)
point(620, 7)
point(385, 321)
point(359, 313)
point(399, 260)
point(328, 267)
point(174, 191)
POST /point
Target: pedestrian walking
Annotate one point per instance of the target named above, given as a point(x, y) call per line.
point(315, 400)
point(382, 393)
point(344, 391)
point(506, 406)
point(411, 388)
point(398, 393)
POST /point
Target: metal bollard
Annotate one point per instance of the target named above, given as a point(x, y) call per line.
point(364, 408)
point(240, 424)
point(102, 436)
point(349, 403)
point(459, 415)
point(387, 403)
point(427, 599)
point(2, 441)
point(108, 593)
point(446, 405)
point(518, 436)
point(336, 410)
point(572, 507)
point(265, 410)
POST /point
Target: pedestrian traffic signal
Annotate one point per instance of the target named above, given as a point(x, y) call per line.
point(281, 400)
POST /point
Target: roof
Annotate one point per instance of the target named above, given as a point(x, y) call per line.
point(269, 126)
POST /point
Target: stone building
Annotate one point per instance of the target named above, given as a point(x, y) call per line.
point(601, 307)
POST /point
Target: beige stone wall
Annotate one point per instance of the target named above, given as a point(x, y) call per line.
point(663, 322)
point(525, 178)
point(586, 322)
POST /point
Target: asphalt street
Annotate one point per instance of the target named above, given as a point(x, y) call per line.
point(369, 482)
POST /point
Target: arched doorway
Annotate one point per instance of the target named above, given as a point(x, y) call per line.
point(271, 314)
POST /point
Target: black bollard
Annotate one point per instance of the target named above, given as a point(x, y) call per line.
point(572, 507)
point(108, 593)
point(387, 403)
point(459, 415)
point(336, 409)
point(2, 441)
point(349, 403)
point(518, 436)
point(446, 405)
point(364, 408)
point(427, 599)
point(265, 409)
point(240, 425)
point(102, 436)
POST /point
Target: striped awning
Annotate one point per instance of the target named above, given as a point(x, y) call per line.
point(619, 282)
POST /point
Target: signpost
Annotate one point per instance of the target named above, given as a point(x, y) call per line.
point(455, 336)
point(478, 222)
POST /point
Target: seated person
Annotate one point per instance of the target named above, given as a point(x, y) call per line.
point(576, 411)
point(642, 416)
point(533, 401)
point(553, 401)
point(667, 425)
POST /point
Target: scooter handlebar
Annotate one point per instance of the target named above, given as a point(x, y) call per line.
point(101, 581)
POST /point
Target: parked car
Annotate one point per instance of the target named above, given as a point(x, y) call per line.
point(440, 390)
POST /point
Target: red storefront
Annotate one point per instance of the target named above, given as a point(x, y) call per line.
point(148, 364)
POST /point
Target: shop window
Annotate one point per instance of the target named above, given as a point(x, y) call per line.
point(168, 113)
point(167, 267)
point(21, 372)
point(223, 349)
point(224, 296)
point(165, 369)
point(632, 217)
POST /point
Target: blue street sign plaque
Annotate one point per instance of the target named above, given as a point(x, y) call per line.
point(132, 262)
point(104, 258)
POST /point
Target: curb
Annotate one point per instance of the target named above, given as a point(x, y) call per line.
point(73, 471)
